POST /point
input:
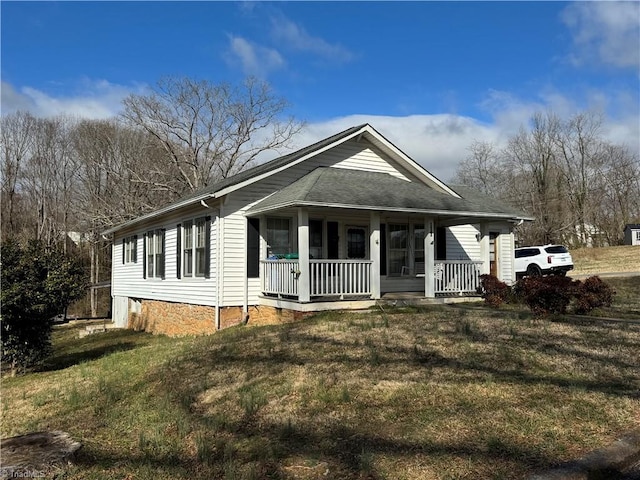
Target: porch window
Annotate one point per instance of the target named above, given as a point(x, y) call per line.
point(356, 243)
point(315, 239)
point(278, 235)
point(154, 255)
point(398, 249)
point(405, 252)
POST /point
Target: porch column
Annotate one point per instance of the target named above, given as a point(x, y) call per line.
point(304, 280)
point(485, 250)
point(263, 250)
point(429, 258)
point(374, 249)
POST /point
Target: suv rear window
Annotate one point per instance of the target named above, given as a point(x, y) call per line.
point(527, 252)
point(556, 249)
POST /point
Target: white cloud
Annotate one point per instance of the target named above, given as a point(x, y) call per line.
point(440, 142)
point(437, 142)
point(254, 59)
point(295, 37)
point(91, 99)
point(604, 33)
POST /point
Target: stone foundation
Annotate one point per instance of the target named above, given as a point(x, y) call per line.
point(179, 319)
point(173, 319)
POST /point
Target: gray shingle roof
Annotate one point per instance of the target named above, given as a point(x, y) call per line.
point(371, 190)
point(240, 177)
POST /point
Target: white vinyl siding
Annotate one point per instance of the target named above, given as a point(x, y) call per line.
point(352, 154)
point(128, 281)
point(462, 242)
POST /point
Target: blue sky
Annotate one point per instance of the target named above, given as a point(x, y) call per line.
point(431, 76)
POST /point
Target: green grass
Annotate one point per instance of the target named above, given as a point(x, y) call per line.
point(421, 393)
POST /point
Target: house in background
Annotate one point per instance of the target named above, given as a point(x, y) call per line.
point(632, 234)
point(336, 225)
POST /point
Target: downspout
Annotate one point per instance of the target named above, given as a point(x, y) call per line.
point(219, 241)
point(245, 304)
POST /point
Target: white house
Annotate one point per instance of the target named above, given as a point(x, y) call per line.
point(335, 225)
point(632, 234)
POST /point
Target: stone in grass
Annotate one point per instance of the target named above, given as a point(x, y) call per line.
point(31, 455)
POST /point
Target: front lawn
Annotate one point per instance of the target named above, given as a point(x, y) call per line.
point(416, 393)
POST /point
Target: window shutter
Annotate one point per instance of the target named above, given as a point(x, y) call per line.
point(333, 240)
point(179, 251)
point(123, 248)
point(135, 249)
point(207, 247)
point(144, 256)
point(253, 247)
point(163, 255)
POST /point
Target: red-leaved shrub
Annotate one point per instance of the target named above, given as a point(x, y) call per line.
point(547, 295)
point(494, 292)
point(593, 293)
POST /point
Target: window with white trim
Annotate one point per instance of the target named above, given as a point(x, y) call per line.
point(195, 248)
point(405, 249)
point(154, 253)
point(278, 235)
point(638, 235)
point(130, 249)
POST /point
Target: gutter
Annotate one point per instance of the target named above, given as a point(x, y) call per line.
point(509, 216)
point(162, 211)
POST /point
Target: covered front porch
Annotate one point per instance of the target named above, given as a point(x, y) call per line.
point(353, 279)
point(380, 255)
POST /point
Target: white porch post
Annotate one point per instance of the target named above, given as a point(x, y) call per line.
point(374, 249)
point(264, 249)
point(429, 258)
point(304, 280)
point(485, 251)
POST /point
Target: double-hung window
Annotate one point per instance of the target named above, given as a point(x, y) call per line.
point(638, 236)
point(154, 253)
point(130, 249)
point(278, 235)
point(194, 248)
point(398, 255)
point(406, 249)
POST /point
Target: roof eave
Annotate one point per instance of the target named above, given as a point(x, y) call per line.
point(158, 213)
point(426, 211)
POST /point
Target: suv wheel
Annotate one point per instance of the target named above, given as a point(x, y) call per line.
point(533, 270)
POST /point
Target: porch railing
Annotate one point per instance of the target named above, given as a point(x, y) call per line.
point(340, 277)
point(329, 278)
point(457, 276)
point(280, 277)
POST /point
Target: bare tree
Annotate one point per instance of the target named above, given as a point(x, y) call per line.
point(481, 169)
point(211, 131)
point(16, 132)
point(531, 161)
point(581, 189)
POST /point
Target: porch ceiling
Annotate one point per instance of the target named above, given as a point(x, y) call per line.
point(363, 190)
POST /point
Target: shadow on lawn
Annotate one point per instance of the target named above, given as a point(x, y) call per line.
point(70, 352)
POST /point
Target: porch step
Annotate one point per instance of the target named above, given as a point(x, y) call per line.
point(91, 329)
point(418, 298)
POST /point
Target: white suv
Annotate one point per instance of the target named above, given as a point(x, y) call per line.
point(543, 260)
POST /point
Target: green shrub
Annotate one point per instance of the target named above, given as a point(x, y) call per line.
point(38, 282)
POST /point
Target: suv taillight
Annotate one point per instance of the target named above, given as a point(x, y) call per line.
point(549, 259)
